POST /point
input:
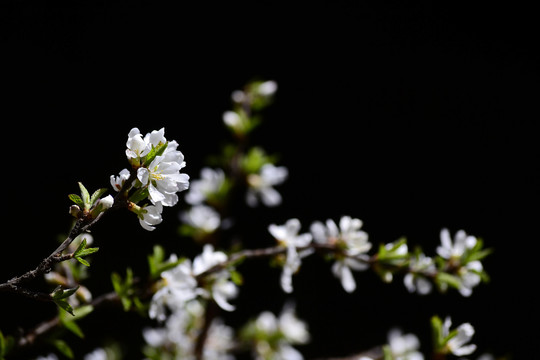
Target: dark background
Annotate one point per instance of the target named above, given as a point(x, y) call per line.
point(409, 117)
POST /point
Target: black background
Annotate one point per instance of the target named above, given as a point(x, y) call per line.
point(410, 117)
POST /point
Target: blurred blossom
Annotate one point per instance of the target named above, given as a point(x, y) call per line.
point(288, 237)
point(455, 249)
point(97, 354)
point(416, 280)
point(404, 346)
point(202, 217)
point(458, 345)
point(210, 182)
point(353, 242)
point(261, 185)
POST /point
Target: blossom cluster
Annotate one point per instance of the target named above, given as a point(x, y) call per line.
point(457, 264)
point(179, 285)
point(184, 296)
point(155, 175)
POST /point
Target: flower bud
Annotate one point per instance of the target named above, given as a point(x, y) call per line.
point(102, 205)
point(75, 211)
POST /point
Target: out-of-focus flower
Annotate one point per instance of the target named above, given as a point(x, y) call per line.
point(179, 287)
point(202, 217)
point(352, 242)
point(455, 249)
point(261, 185)
point(288, 237)
point(404, 346)
point(458, 344)
point(416, 280)
point(222, 289)
point(209, 183)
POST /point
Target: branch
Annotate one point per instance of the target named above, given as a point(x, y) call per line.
point(46, 265)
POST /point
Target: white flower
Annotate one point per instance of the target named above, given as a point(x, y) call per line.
point(267, 88)
point(404, 346)
point(457, 344)
point(118, 181)
point(287, 236)
point(222, 289)
point(219, 341)
point(455, 249)
point(136, 146)
point(106, 202)
point(287, 330)
point(164, 179)
point(469, 277)
point(96, 354)
point(162, 175)
point(210, 182)
point(50, 356)
point(415, 280)
point(353, 241)
point(261, 185)
point(348, 234)
point(294, 329)
point(233, 120)
point(156, 137)
point(179, 287)
point(202, 217)
point(151, 216)
point(342, 270)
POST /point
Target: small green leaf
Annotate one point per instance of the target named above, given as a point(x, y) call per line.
point(387, 353)
point(449, 279)
point(139, 195)
point(80, 248)
point(59, 293)
point(63, 347)
point(72, 326)
point(96, 195)
point(85, 196)
point(82, 261)
point(2, 346)
point(436, 333)
point(156, 151)
point(64, 305)
point(88, 251)
point(77, 200)
point(237, 278)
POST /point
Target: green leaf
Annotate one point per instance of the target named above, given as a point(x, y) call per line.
point(123, 288)
point(387, 353)
point(237, 278)
point(2, 345)
point(59, 293)
point(64, 305)
point(77, 200)
point(72, 326)
point(6, 344)
point(82, 261)
point(88, 251)
point(139, 195)
point(436, 333)
point(63, 347)
point(80, 248)
point(96, 195)
point(449, 279)
point(85, 196)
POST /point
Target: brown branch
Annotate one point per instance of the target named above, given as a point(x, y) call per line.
point(51, 324)
point(46, 265)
